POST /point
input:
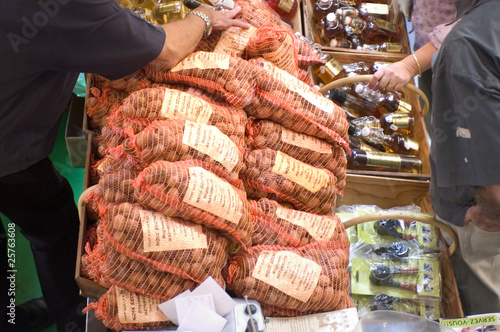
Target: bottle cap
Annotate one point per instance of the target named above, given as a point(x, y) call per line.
point(338, 95)
point(334, 43)
point(359, 88)
point(331, 17)
point(348, 20)
point(366, 131)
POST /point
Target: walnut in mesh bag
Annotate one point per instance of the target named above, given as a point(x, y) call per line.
point(176, 140)
point(278, 225)
point(293, 281)
point(275, 175)
point(286, 100)
point(144, 106)
point(228, 77)
point(120, 309)
point(187, 190)
point(263, 134)
point(166, 244)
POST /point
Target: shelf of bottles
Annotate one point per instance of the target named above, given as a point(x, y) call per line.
point(387, 131)
point(359, 26)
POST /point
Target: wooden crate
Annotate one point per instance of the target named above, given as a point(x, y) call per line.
point(308, 26)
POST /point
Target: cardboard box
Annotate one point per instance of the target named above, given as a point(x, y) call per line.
point(76, 141)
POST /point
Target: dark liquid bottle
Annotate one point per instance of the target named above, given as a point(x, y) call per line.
point(323, 8)
point(347, 11)
point(379, 31)
point(397, 122)
point(356, 144)
point(331, 70)
point(391, 102)
point(396, 143)
point(332, 27)
point(359, 107)
point(361, 159)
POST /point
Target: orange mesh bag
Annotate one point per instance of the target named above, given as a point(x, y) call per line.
point(136, 276)
point(119, 310)
point(188, 191)
point(275, 175)
point(112, 134)
point(263, 134)
point(307, 52)
point(276, 46)
point(132, 82)
point(277, 225)
point(176, 140)
point(286, 100)
point(100, 104)
point(165, 244)
point(293, 281)
point(304, 76)
point(258, 13)
point(144, 106)
point(222, 75)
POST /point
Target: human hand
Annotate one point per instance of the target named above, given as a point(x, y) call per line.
point(224, 19)
point(484, 223)
point(391, 77)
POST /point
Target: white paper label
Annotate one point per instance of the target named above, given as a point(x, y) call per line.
point(212, 142)
point(296, 85)
point(184, 106)
point(288, 272)
point(209, 193)
point(312, 178)
point(162, 233)
point(136, 308)
point(321, 228)
point(203, 60)
point(304, 141)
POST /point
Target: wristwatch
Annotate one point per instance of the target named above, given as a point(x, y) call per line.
point(208, 22)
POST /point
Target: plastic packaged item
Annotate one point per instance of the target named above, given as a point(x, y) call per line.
point(393, 321)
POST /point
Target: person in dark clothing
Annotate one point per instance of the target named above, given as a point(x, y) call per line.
point(44, 45)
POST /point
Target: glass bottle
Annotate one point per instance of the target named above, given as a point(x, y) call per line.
point(388, 47)
point(360, 107)
point(284, 8)
point(347, 3)
point(389, 161)
point(356, 68)
point(376, 65)
point(347, 11)
point(323, 8)
point(356, 23)
point(332, 27)
point(391, 101)
point(331, 70)
point(356, 144)
point(166, 12)
point(379, 31)
point(397, 142)
point(397, 122)
point(378, 10)
point(340, 42)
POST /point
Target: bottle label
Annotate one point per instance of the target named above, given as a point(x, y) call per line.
point(181, 105)
point(411, 145)
point(234, 40)
point(211, 141)
point(399, 120)
point(137, 308)
point(312, 178)
point(288, 272)
point(304, 141)
point(381, 159)
point(286, 5)
point(209, 193)
point(404, 106)
point(321, 228)
point(385, 25)
point(333, 67)
point(394, 47)
point(229, 4)
point(162, 233)
point(376, 8)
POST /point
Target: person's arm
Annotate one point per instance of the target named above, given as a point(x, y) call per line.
point(183, 36)
point(398, 74)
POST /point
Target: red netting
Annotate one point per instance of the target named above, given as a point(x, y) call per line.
point(165, 244)
point(293, 281)
point(222, 75)
point(144, 106)
point(112, 134)
point(176, 140)
point(275, 175)
point(277, 225)
point(286, 100)
point(263, 134)
point(121, 310)
point(188, 191)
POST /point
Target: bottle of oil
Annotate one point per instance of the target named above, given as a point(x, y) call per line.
point(388, 47)
point(378, 30)
point(167, 12)
point(323, 8)
point(391, 101)
point(332, 27)
point(331, 70)
point(347, 11)
point(356, 144)
point(397, 122)
point(362, 159)
point(359, 106)
point(378, 10)
point(396, 142)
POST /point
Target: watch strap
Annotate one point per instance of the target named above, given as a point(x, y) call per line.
point(208, 22)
